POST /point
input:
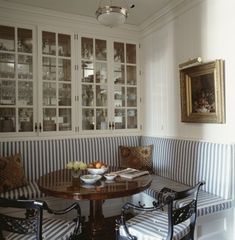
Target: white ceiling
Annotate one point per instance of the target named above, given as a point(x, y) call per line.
point(143, 9)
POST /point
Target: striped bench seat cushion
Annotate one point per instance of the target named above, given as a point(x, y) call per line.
point(30, 191)
point(52, 229)
point(154, 226)
point(207, 203)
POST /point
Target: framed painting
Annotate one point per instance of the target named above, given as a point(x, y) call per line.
point(202, 93)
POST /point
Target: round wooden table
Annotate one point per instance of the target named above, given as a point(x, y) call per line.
point(61, 184)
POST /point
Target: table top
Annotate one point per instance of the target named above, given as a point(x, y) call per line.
point(61, 184)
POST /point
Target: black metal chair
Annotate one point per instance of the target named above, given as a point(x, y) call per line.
point(172, 216)
point(33, 226)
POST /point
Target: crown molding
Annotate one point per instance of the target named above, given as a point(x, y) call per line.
point(35, 15)
point(167, 14)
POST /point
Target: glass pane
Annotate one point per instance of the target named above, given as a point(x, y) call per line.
point(119, 52)
point(25, 67)
point(131, 53)
point(101, 119)
point(87, 48)
point(25, 38)
point(131, 75)
point(7, 120)
point(119, 74)
point(25, 119)
point(119, 118)
point(25, 93)
point(131, 118)
point(87, 95)
point(88, 119)
point(64, 71)
point(7, 65)
point(49, 119)
point(48, 43)
point(101, 95)
point(64, 94)
point(64, 120)
point(49, 68)
point(64, 45)
point(131, 97)
point(119, 96)
point(100, 50)
point(87, 71)
point(101, 73)
point(7, 92)
point(49, 94)
point(7, 38)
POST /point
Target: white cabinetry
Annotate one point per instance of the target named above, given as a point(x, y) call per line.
point(125, 86)
point(94, 84)
point(109, 85)
point(17, 80)
point(59, 83)
point(55, 61)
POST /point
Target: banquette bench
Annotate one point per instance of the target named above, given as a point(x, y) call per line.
point(176, 163)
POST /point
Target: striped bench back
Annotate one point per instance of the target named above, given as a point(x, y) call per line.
point(42, 156)
point(189, 161)
point(233, 169)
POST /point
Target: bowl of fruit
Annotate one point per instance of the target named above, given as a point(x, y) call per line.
point(97, 167)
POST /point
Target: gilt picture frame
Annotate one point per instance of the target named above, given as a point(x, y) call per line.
point(202, 93)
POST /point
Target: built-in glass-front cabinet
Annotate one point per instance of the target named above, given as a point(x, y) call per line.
point(94, 84)
point(56, 82)
point(62, 82)
point(109, 87)
point(16, 80)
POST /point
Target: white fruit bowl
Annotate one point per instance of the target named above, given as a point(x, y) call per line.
point(97, 170)
point(90, 178)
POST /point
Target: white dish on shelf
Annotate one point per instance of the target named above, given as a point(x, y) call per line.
point(110, 176)
point(97, 170)
point(90, 178)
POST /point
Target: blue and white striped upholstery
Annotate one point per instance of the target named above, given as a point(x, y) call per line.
point(233, 168)
point(43, 156)
point(154, 226)
point(52, 229)
point(183, 161)
point(30, 191)
point(207, 203)
point(189, 162)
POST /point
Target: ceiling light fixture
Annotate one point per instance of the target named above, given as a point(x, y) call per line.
point(111, 14)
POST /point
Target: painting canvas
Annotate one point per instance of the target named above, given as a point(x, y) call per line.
point(202, 93)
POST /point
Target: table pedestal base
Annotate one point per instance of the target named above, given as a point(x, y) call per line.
point(96, 218)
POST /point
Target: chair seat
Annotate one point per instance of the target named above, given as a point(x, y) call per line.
point(154, 226)
point(52, 229)
point(207, 203)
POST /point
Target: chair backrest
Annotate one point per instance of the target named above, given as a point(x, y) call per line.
point(31, 223)
point(182, 206)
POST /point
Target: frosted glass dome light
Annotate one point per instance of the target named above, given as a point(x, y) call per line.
point(110, 15)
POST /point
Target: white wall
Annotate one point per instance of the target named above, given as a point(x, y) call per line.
point(206, 30)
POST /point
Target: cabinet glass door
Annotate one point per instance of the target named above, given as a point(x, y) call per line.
point(94, 84)
point(16, 79)
point(125, 86)
point(56, 82)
